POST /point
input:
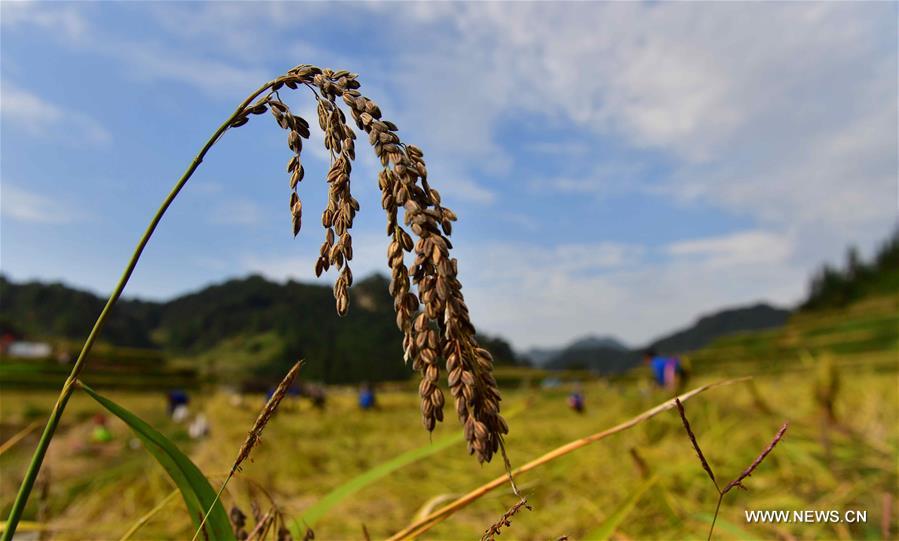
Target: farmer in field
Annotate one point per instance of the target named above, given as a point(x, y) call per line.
point(367, 397)
point(667, 372)
point(576, 399)
point(100, 433)
point(177, 404)
point(317, 395)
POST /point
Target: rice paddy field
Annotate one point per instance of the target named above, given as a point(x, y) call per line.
point(349, 474)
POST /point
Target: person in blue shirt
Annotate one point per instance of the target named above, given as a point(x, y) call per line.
point(576, 399)
point(367, 397)
point(177, 403)
point(666, 371)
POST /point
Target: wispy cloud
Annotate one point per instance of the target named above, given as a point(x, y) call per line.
point(743, 248)
point(787, 127)
point(545, 296)
point(25, 206)
point(235, 211)
point(41, 118)
point(62, 18)
point(145, 60)
point(153, 63)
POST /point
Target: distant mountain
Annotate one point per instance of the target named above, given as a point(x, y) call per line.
point(591, 341)
point(239, 327)
point(543, 356)
point(829, 288)
point(609, 356)
point(709, 327)
point(604, 360)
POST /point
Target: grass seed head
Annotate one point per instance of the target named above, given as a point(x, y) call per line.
point(265, 415)
point(434, 320)
point(758, 460)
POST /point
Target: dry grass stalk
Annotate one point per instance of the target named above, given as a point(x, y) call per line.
point(640, 463)
point(420, 526)
point(149, 515)
point(255, 434)
point(443, 328)
point(238, 522)
point(20, 435)
point(506, 520)
point(270, 524)
point(705, 465)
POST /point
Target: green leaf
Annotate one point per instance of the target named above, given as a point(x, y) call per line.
point(325, 504)
point(613, 521)
point(317, 510)
point(195, 489)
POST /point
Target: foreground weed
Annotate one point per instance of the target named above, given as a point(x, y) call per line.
point(738, 481)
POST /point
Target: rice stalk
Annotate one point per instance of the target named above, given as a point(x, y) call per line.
point(443, 328)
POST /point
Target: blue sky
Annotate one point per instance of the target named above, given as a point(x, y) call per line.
point(617, 168)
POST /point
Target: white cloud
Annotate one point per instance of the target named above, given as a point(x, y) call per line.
point(61, 19)
point(539, 296)
point(600, 181)
point(236, 212)
point(743, 248)
point(39, 117)
point(785, 113)
point(218, 78)
point(151, 61)
point(22, 205)
point(460, 187)
point(369, 256)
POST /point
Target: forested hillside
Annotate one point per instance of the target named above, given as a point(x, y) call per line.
point(249, 326)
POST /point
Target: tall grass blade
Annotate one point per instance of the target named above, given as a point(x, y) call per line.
point(19, 436)
point(354, 485)
point(150, 514)
point(613, 521)
point(342, 492)
point(195, 489)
